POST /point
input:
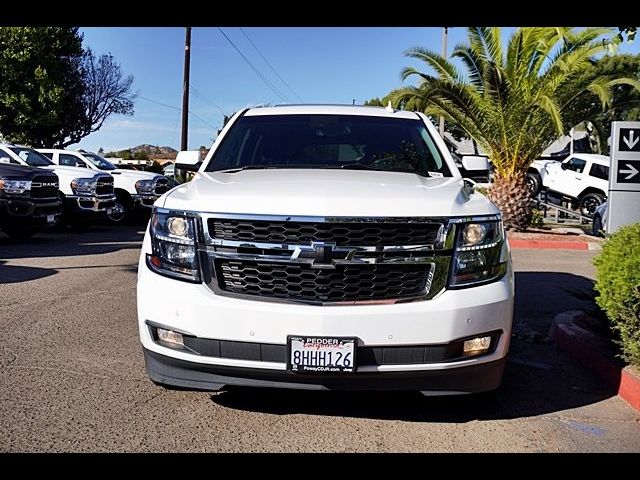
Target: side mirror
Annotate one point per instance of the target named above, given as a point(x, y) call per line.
point(80, 163)
point(475, 162)
point(188, 160)
point(5, 160)
point(563, 166)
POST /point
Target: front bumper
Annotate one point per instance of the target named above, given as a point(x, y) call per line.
point(475, 378)
point(144, 200)
point(89, 205)
point(27, 211)
point(195, 310)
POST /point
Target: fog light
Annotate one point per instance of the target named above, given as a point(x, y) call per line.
point(476, 346)
point(171, 337)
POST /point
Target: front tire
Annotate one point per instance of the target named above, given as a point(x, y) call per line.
point(121, 211)
point(534, 183)
point(589, 203)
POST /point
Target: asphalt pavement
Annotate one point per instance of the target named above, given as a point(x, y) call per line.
point(72, 374)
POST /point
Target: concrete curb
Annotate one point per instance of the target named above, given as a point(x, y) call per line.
point(586, 347)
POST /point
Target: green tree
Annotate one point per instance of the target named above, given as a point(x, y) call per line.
point(141, 155)
point(374, 102)
point(625, 100)
point(513, 102)
point(52, 92)
point(41, 84)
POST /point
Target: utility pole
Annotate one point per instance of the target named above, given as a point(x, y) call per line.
point(185, 90)
point(445, 32)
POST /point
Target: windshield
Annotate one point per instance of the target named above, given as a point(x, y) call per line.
point(99, 162)
point(330, 141)
point(31, 157)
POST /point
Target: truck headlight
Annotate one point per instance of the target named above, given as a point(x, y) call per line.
point(15, 186)
point(477, 257)
point(83, 185)
point(145, 186)
point(173, 239)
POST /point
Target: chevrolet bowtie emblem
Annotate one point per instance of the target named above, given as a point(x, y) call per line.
point(322, 255)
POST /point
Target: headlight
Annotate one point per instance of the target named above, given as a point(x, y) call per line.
point(175, 253)
point(83, 185)
point(477, 258)
point(145, 186)
point(15, 186)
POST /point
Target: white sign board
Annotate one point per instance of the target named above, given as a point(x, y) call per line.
point(623, 205)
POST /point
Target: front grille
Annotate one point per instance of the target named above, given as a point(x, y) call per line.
point(104, 186)
point(341, 233)
point(162, 186)
point(344, 283)
point(44, 186)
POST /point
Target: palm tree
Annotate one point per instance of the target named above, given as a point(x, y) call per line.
point(513, 103)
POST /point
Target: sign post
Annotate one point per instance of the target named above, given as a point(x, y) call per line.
point(623, 203)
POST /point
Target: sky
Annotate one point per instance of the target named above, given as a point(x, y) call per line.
point(303, 65)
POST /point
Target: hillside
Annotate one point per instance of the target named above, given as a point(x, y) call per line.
point(145, 147)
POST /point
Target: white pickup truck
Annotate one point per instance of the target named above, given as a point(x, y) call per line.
point(86, 195)
point(583, 178)
point(134, 189)
point(326, 247)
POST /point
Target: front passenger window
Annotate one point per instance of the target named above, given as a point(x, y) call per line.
point(70, 160)
point(576, 165)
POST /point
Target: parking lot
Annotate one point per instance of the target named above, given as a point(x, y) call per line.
point(72, 375)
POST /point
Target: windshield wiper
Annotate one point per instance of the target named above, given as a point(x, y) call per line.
point(246, 167)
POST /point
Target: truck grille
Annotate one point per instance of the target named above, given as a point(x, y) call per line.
point(44, 186)
point(302, 282)
point(104, 186)
point(340, 233)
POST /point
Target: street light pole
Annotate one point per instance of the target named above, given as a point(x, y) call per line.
point(445, 32)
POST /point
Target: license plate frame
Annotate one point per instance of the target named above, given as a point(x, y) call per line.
point(324, 344)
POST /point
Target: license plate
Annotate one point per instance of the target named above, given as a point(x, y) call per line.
point(51, 218)
point(322, 354)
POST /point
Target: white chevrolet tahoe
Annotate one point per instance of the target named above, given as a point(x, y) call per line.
point(133, 189)
point(326, 247)
point(583, 178)
point(86, 195)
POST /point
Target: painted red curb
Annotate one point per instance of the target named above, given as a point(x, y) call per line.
point(629, 388)
point(626, 385)
point(548, 244)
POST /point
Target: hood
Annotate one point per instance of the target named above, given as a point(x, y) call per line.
point(132, 174)
point(9, 170)
point(544, 163)
point(79, 172)
point(326, 193)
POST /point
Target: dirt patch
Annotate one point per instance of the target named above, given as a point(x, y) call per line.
point(555, 235)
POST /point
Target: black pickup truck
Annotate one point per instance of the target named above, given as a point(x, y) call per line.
point(29, 200)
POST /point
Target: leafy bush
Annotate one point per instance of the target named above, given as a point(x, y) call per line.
point(537, 218)
point(618, 287)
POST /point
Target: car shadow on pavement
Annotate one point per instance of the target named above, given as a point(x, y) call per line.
point(93, 240)
point(526, 391)
point(538, 379)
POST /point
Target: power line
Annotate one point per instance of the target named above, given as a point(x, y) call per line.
point(270, 66)
point(256, 71)
point(201, 96)
point(178, 109)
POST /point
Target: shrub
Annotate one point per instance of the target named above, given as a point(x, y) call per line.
point(618, 287)
point(537, 218)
